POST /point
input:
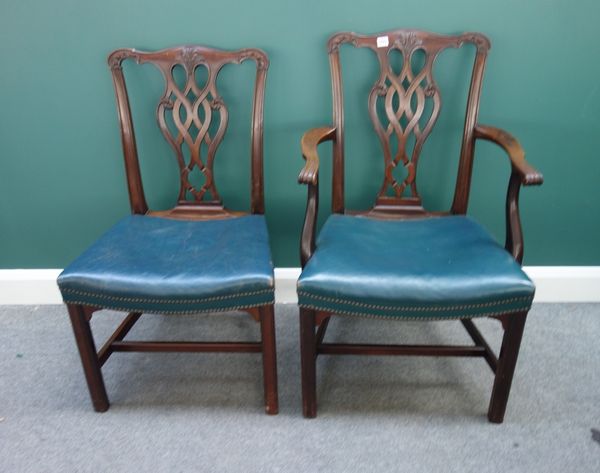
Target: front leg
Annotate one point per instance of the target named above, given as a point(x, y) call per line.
point(513, 324)
point(269, 358)
point(308, 358)
point(89, 357)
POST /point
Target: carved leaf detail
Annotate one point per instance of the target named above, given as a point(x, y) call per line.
point(116, 58)
point(190, 57)
point(408, 41)
point(262, 62)
point(336, 41)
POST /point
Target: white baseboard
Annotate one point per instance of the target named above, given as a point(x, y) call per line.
point(285, 285)
point(554, 284)
point(29, 286)
point(565, 283)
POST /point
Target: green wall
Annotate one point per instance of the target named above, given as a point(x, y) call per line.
point(61, 172)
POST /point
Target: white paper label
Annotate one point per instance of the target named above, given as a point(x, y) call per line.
point(383, 41)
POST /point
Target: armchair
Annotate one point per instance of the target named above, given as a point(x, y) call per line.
point(398, 260)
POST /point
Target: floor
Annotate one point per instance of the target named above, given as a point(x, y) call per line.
point(190, 412)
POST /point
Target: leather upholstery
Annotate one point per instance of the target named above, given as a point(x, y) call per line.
point(159, 265)
point(430, 268)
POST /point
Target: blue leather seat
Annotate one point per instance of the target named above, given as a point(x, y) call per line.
point(167, 266)
point(430, 268)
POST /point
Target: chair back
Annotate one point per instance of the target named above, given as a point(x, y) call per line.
point(193, 118)
point(404, 104)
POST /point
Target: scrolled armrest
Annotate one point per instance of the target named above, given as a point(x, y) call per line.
point(310, 176)
point(529, 175)
point(522, 174)
point(309, 143)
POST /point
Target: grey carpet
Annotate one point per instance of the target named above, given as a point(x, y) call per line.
point(203, 412)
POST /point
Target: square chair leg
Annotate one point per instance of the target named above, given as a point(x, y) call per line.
point(308, 358)
point(89, 358)
point(269, 358)
point(513, 332)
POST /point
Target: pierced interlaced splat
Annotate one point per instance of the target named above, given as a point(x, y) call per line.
point(404, 103)
point(191, 112)
point(401, 98)
point(192, 116)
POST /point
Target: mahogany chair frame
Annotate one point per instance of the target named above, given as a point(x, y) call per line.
point(416, 87)
point(193, 203)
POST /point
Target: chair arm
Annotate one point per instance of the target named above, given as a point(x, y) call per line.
point(529, 175)
point(309, 142)
point(310, 176)
point(522, 174)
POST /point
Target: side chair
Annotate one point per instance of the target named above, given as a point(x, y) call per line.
point(198, 256)
point(398, 261)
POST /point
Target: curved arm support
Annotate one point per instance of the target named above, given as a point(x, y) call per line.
point(310, 176)
point(514, 233)
point(522, 174)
